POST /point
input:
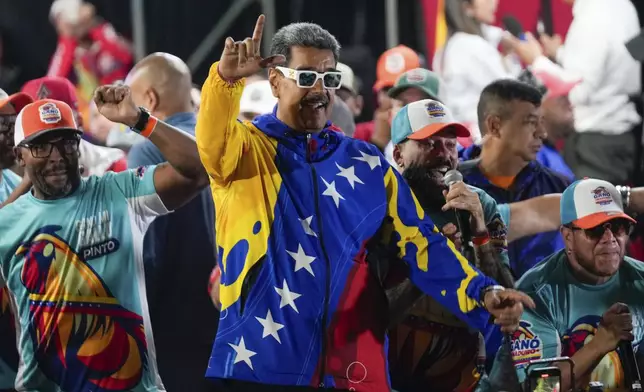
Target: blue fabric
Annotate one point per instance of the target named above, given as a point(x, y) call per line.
point(471, 152)
point(534, 180)
point(179, 255)
point(549, 157)
point(296, 253)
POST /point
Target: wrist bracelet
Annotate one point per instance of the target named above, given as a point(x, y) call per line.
point(625, 192)
point(149, 127)
point(485, 290)
point(480, 241)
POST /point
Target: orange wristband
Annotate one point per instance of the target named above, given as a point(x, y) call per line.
point(149, 127)
point(480, 241)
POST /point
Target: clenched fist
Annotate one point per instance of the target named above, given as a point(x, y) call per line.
point(116, 104)
point(243, 58)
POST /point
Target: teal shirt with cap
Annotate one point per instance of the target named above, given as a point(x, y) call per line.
point(567, 315)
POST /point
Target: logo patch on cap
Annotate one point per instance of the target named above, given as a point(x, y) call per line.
point(395, 63)
point(435, 110)
point(50, 114)
point(602, 196)
point(43, 92)
point(416, 76)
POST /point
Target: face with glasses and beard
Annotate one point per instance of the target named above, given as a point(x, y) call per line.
point(51, 161)
point(424, 164)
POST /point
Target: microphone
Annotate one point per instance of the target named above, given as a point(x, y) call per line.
point(512, 24)
point(451, 178)
point(631, 371)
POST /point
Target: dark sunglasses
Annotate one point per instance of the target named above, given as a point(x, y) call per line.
point(65, 146)
point(331, 80)
point(618, 227)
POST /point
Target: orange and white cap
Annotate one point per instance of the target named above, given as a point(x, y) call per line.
point(44, 116)
point(393, 63)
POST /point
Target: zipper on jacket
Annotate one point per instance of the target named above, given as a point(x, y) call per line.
point(327, 287)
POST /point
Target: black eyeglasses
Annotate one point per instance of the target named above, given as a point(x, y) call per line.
point(331, 80)
point(43, 150)
point(618, 227)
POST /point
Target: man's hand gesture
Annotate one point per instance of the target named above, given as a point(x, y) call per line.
point(115, 103)
point(243, 58)
point(507, 307)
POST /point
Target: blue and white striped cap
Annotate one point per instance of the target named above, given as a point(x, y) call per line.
point(422, 119)
point(589, 203)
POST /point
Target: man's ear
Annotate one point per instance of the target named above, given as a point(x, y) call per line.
point(398, 156)
point(17, 151)
point(274, 78)
point(154, 101)
point(566, 233)
point(493, 125)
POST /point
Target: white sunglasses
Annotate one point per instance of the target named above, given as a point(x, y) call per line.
point(331, 80)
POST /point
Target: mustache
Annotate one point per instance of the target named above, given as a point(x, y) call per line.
point(315, 98)
point(56, 168)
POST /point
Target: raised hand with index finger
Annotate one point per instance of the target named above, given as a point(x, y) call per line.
point(243, 58)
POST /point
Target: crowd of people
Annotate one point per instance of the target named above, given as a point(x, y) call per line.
point(248, 235)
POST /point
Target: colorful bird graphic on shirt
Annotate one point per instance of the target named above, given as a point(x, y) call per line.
point(84, 340)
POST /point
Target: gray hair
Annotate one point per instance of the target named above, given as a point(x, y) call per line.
point(308, 35)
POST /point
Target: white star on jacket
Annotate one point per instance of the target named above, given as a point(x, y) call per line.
point(287, 297)
point(332, 192)
point(372, 160)
point(350, 174)
point(270, 326)
point(302, 261)
point(306, 226)
point(242, 354)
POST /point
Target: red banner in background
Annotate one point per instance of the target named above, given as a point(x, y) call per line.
point(527, 11)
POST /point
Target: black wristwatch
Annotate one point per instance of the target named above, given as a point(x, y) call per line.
point(142, 122)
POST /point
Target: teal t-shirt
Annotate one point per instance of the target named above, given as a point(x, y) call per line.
point(8, 353)
point(8, 183)
point(567, 314)
point(74, 270)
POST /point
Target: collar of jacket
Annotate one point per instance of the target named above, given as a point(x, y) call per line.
point(314, 146)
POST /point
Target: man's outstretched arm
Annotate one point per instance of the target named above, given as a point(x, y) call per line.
point(183, 176)
point(439, 270)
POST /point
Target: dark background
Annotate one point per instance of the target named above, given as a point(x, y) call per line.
point(179, 26)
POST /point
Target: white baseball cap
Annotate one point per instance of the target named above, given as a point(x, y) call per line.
point(257, 98)
point(589, 203)
point(422, 119)
point(348, 77)
point(69, 10)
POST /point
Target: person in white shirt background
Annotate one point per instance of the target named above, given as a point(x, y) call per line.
point(470, 59)
point(603, 145)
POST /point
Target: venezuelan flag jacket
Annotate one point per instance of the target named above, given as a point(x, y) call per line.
point(294, 212)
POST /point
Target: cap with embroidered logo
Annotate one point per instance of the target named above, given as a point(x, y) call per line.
point(422, 119)
point(589, 203)
point(42, 117)
point(419, 78)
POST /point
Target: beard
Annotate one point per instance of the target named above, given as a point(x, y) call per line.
point(427, 184)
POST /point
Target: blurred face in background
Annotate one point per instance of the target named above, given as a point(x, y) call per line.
point(353, 101)
point(483, 11)
point(406, 97)
point(558, 117)
point(7, 124)
point(304, 109)
point(521, 132)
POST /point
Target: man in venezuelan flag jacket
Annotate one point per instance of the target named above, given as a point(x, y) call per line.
point(295, 209)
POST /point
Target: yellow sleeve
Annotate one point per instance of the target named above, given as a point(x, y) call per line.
point(221, 139)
